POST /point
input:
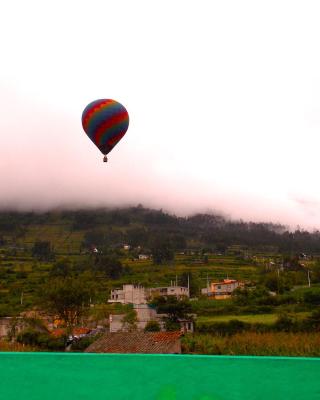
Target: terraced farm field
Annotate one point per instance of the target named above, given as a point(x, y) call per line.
point(64, 240)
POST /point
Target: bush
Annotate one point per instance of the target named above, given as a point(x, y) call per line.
point(6, 310)
point(312, 297)
point(287, 323)
point(171, 325)
point(29, 337)
point(82, 343)
point(312, 323)
point(152, 326)
point(224, 328)
point(42, 340)
point(211, 307)
point(257, 310)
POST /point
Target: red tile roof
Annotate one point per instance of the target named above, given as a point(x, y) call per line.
point(166, 336)
point(58, 332)
point(76, 331)
point(80, 331)
point(137, 342)
point(224, 282)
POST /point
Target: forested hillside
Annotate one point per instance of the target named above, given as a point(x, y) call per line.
point(72, 231)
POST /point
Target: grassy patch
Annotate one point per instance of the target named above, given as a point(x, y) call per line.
point(252, 319)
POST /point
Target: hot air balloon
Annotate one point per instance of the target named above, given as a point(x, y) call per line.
point(105, 121)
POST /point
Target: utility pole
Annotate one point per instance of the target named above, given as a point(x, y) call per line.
point(309, 282)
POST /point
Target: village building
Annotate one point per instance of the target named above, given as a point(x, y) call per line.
point(136, 294)
point(221, 290)
point(174, 290)
point(129, 294)
point(138, 342)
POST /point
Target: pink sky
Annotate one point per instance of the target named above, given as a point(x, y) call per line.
point(223, 117)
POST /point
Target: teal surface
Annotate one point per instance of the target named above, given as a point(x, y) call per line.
point(65, 376)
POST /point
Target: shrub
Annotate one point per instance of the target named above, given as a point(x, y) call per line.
point(29, 337)
point(42, 340)
point(312, 323)
point(82, 343)
point(152, 326)
point(312, 297)
point(224, 328)
point(286, 323)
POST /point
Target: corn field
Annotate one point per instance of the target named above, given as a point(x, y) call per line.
point(255, 344)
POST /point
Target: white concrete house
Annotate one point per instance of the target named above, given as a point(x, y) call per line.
point(136, 294)
point(129, 294)
point(177, 291)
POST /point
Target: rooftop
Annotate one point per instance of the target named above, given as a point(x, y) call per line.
point(225, 282)
point(137, 342)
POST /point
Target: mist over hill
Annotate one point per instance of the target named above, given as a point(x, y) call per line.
point(140, 226)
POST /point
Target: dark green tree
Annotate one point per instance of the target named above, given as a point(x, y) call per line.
point(278, 283)
point(42, 250)
point(68, 298)
point(315, 275)
point(61, 268)
point(110, 265)
point(162, 251)
point(312, 297)
point(130, 320)
point(194, 284)
point(175, 310)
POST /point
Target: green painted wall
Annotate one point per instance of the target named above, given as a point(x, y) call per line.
point(66, 376)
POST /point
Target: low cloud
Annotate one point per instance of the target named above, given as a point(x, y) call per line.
point(47, 162)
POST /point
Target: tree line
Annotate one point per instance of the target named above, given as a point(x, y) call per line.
point(143, 227)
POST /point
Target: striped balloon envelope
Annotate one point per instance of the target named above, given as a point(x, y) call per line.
point(105, 121)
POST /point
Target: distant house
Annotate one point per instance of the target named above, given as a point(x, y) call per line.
point(126, 247)
point(143, 257)
point(138, 342)
point(129, 294)
point(174, 290)
point(136, 294)
point(221, 290)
